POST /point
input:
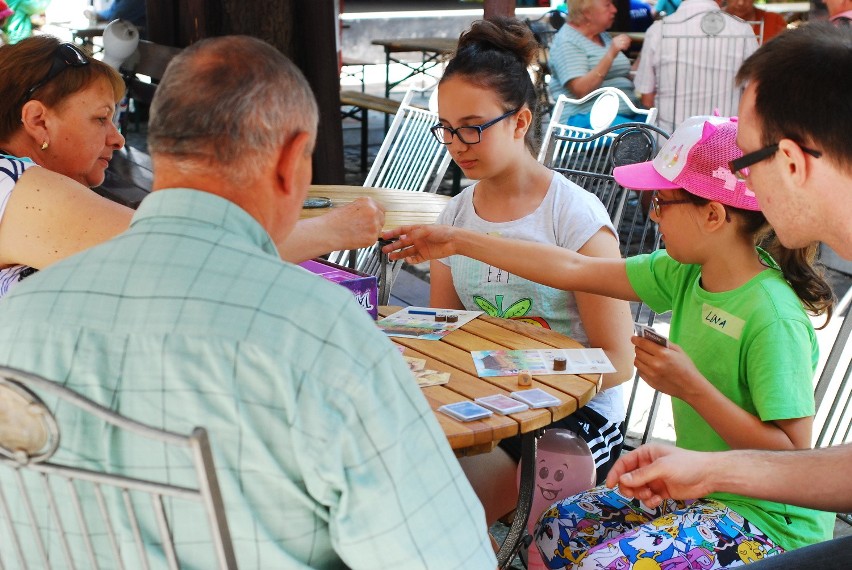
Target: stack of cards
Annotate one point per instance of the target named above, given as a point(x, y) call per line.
point(647, 332)
point(502, 404)
point(536, 398)
point(465, 411)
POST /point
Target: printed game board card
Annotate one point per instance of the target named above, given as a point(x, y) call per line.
point(424, 322)
point(465, 411)
point(491, 363)
point(502, 404)
point(536, 398)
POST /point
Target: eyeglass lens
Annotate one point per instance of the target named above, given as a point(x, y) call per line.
point(467, 135)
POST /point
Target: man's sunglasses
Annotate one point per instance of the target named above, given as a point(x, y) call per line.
point(64, 56)
point(740, 166)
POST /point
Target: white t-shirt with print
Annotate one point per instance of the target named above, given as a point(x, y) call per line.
point(568, 216)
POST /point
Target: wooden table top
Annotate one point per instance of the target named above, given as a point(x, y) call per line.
point(452, 354)
point(402, 207)
point(437, 45)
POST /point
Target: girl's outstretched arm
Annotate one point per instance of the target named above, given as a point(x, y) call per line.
point(547, 264)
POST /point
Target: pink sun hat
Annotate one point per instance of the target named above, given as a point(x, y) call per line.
point(696, 159)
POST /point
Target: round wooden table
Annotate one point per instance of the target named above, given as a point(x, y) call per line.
point(452, 354)
point(402, 207)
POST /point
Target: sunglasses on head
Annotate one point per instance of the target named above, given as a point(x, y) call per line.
point(64, 56)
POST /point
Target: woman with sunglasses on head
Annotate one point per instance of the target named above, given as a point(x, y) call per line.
point(57, 113)
point(485, 103)
point(740, 375)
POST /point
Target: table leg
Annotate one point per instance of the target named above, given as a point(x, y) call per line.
point(387, 83)
point(512, 542)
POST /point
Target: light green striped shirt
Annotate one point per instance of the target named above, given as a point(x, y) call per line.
point(326, 450)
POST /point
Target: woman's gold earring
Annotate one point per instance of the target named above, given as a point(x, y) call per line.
point(44, 145)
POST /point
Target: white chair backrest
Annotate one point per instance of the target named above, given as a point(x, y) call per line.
point(606, 101)
point(697, 61)
point(410, 157)
point(67, 509)
point(833, 392)
point(586, 159)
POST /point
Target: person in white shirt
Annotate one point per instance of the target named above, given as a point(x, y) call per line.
point(683, 71)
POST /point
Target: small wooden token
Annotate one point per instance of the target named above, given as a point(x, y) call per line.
point(440, 318)
point(452, 318)
point(559, 364)
point(524, 378)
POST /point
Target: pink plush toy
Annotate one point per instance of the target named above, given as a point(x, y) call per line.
point(563, 467)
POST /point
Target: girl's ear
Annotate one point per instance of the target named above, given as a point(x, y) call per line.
point(716, 215)
point(524, 120)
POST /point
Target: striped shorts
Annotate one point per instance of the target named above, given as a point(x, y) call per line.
point(604, 437)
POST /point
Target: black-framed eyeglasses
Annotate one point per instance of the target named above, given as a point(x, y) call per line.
point(740, 166)
point(657, 203)
point(64, 56)
point(468, 134)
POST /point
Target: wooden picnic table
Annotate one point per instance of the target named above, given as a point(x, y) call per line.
point(452, 354)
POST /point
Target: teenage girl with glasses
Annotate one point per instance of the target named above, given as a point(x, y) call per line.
point(485, 102)
point(740, 375)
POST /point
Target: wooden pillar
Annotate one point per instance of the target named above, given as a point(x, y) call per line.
point(316, 55)
point(622, 16)
point(499, 8)
point(304, 31)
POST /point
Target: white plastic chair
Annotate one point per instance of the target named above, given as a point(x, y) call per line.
point(585, 156)
point(62, 510)
point(410, 158)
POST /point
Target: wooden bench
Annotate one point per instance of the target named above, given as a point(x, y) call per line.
point(129, 177)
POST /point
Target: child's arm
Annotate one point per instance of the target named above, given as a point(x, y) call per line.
point(547, 264)
point(607, 321)
point(671, 371)
point(442, 292)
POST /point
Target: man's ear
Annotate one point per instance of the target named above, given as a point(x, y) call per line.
point(294, 163)
point(795, 162)
point(34, 120)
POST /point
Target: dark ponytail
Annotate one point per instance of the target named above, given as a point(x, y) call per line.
point(495, 54)
point(797, 265)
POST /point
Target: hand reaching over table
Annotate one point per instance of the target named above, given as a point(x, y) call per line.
point(358, 224)
point(355, 225)
point(416, 244)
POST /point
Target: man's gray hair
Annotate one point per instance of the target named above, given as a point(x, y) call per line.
point(228, 98)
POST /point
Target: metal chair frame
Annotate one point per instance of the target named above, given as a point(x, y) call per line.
point(410, 158)
point(544, 29)
point(29, 438)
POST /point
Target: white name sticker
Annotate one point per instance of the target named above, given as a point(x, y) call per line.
point(722, 321)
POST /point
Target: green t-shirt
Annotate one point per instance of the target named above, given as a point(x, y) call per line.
point(758, 347)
